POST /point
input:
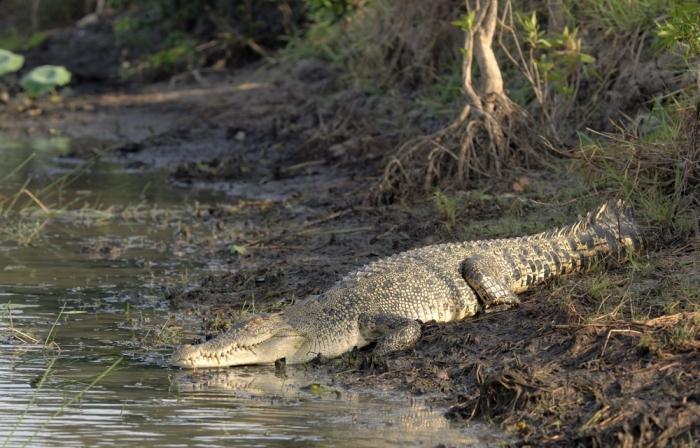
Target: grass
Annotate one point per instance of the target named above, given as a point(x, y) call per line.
point(151, 336)
point(49, 341)
point(443, 97)
point(178, 57)
point(23, 336)
point(25, 214)
point(75, 398)
point(39, 384)
point(384, 46)
point(654, 172)
point(663, 282)
point(446, 207)
point(623, 16)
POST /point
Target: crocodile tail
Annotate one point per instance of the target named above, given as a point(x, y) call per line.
point(613, 220)
point(617, 217)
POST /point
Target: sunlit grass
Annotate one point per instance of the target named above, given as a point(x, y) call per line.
point(69, 402)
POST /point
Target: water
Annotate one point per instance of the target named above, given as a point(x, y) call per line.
point(85, 333)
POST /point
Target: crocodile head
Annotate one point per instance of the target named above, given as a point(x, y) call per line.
point(261, 339)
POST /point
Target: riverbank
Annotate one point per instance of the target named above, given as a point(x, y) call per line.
point(599, 359)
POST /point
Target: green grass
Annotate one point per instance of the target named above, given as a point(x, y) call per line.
point(176, 57)
point(446, 207)
point(445, 95)
point(622, 16)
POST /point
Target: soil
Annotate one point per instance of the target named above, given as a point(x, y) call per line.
point(298, 154)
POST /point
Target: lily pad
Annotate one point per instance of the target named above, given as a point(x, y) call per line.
point(10, 62)
point(45, 78)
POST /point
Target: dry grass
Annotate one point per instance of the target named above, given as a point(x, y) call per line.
point(660, 175)
point(411, 41)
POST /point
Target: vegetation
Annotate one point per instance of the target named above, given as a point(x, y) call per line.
point(10, 62)
point(38, 81)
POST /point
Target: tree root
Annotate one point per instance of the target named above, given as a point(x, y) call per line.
point(480, 143)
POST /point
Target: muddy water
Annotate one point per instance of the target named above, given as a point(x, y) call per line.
point(85, 333)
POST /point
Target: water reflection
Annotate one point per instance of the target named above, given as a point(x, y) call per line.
point(257, 381)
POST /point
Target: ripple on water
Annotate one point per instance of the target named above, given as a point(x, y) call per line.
point(141, 403)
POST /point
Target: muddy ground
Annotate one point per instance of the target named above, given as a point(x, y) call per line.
point(298, 155)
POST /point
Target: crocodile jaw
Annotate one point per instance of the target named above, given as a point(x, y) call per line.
point(259, 340)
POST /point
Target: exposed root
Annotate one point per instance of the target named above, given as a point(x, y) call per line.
point(480, 143)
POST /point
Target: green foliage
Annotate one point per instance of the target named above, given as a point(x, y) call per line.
point(15, 42)
point(348, 47)
point(164, 16)
point(10, 62)
point(157, 35)
point(330, 10)
point(466, 22)
point(320, 40)
point(447, 207)
point(446, 94)
point(624, 16)
point(323, 35)
point(162, 37)
point(45, 79)
point(129, 31)
point(651, 170)
point(682, 28)
point(168, 60)
point(557, 57)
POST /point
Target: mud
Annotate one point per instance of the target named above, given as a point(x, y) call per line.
point(297, 155)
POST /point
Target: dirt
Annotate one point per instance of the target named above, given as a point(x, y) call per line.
point(297, 154)
point(554, 381)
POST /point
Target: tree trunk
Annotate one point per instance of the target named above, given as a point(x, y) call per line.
point(478, 44)
point(487, 135)
point(492, 81)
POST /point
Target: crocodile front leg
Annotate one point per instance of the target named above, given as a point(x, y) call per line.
point(484, 275)
point(392, 333)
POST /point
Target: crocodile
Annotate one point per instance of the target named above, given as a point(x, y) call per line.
point(386, 301)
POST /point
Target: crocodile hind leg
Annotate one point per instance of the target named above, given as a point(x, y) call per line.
point(392, 333)
point(482, 275)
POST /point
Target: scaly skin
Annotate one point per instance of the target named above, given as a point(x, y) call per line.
point(385, 301)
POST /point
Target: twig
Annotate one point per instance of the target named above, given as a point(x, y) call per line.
point(20, 334)
point(671, 319)
point(35, 199)
point(303, 165)
point(607, 338)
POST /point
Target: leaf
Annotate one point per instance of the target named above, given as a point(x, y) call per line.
point(45, 78)
point(237, 249)
point(465, 23)
point(10, 62)
point(586, 58)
